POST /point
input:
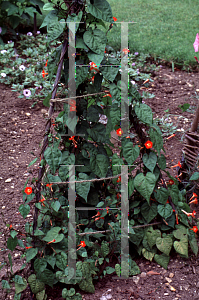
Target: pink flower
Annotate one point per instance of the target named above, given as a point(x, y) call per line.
point(27, 93)
point(196, 43)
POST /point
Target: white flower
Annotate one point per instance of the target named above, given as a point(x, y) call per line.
point(9, 42)
point(3, 74)
point(27, 93)
point(29, 34)
point(22, 68)
point(132, 81)
point(38, 32)
point(0, 30)
point(3, 51)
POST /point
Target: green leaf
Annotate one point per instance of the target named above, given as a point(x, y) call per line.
point(150, 160)
point(13, 233)
point(31, 253)
point(46, 101)
point(20, 284)
point(162, 260)
point(47, 277)
point(184, 107)
point(12, 243)
point(182, 247)
point(193, 242)
point(38, 232)
point(35, 285)
point(164, 244)
point(94, 57)
point(195, 176)
point(24, 210)
point(156, 139)
point(162, 162)
point(165, 211)
point(82, 189)
point(130, 152)
point(161, 195)
point(101, 9)
point(149, 212)
point(144, 113)
point(115, 114)
point(134, 269)
point(145, 184)
point(50, 18)
point(41, 295)
point(55, 30)
point(51, 260)
point(99, 165)
point(95, 40)
point(93, 113)
point(40, 264)
point(109, 72)
point(53, 158)
point(130, 187)
point(81, 74)
point(174, 193)
point(62, 261)
point(5, 284)
point(55, 205)
point(147, 254)
point(48, 6)
point(180, 233)
point(98, 133)
point(110, 270)
point(75, 18)
point(53, 234)
point(152, 236)
point(33, 161)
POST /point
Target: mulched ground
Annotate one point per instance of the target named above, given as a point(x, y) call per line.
point(21, 132)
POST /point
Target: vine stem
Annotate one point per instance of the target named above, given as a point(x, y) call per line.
point(47, 130)
point(104, 231)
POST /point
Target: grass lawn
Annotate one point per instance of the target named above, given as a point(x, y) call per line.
point(164, 29)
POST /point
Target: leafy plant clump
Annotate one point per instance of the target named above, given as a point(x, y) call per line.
point(128, 199)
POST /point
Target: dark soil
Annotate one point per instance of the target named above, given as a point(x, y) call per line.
point(21, 132)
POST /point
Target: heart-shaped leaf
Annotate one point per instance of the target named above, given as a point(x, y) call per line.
point(152, 236)
point(182, 247)
point(150, 160)
point(162, 260)
point(145, 184)
point(130, 152)
point(164, 244)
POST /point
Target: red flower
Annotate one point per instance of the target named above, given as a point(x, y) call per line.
point(107, 95)
point(148, 144)
point(118, 196)
point(178, 165)
point(119, 179)
point(195, 229)
point(28, 190)
point(83, 244)
point(114, 19)
point(193, 214)
point(44, 73)
point(119, 131)
point(49, 185)
point(51, 241)
point(28, 247)
point(171, 181)
point(46, 63)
